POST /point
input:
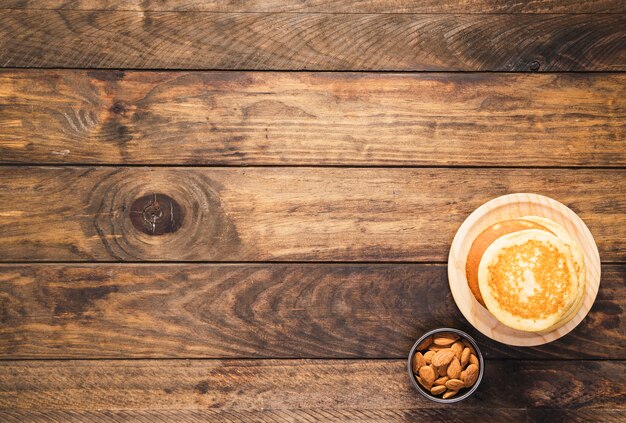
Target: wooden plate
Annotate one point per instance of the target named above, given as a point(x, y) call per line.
point(511, 207)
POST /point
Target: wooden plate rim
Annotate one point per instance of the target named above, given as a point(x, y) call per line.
point(544, 206)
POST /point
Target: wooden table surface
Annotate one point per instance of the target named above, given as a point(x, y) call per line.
point(242, 211)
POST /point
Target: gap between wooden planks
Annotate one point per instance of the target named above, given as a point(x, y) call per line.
point(321, 119)
point(259, 310)
point(312, 41)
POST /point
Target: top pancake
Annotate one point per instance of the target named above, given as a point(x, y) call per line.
point(528, 279)
point(579, 264)
point(484, 240)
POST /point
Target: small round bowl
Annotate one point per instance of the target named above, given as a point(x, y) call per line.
point(426, 393)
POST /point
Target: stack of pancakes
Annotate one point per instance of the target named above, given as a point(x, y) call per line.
point(528, 272)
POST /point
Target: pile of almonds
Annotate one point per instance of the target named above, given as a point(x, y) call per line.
point(445, 364)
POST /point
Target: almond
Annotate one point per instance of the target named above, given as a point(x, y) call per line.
point(457, 347)
point(445, 340)
point(454, 369)
point(442, 380)
point(434, 347)
point(471, 375)
point(455, 384)
point(449, 394)
point(439, 389)
point(468, 345)
point(428, 375)
point(433, 367)
point(442, 370)
point(465, 356)
point(473, 359)
point(418, 361)
point(428, 356)
point(421, 381)
point(425, 343)
point(443, 357)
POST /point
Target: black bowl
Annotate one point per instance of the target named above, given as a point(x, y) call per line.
point(426, 393)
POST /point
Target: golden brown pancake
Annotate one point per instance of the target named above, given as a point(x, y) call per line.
point(484, 240)
point(579, 264)
point(528, 279)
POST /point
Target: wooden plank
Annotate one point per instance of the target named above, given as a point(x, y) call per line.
point(326, 415)
point(312, 41)
point(294, 387)
point(258, 118)
point(325, 6)
point(269, 214)
point(209, 311)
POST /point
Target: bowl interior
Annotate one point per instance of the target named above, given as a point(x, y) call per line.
point(465, 392)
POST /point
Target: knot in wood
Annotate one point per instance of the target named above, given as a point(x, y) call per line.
point(119, 108)
point(156, 214)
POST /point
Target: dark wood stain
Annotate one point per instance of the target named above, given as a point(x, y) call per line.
point(325, 6)
point(412, 413)
point(403, 42)
point(107, 76)
point(156, 214)
point(78, 300)
point(119, 108)
point(260, 310)
point(202, 387)
point(339, 387)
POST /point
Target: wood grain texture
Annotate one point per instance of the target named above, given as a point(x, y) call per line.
point(305, 41)
point(329, 6)
point(258, 118)
point(286, 214)
point(521, 415)
point(299, 310)
point(296, 386)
